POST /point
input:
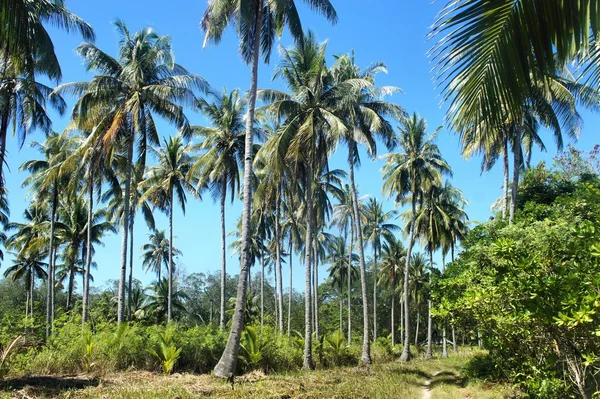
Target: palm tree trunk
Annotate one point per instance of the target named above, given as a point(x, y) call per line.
point(223, 256)
point(71, 285)
point(417, 327)
point(506, 167)
point(375, 294)
point(401, 319)
point(454, 343)
point(429, 353)
point(316, 289)
point(3, 133)
point(262, 290)
point(366, 345)
point(228, 362)
point(88, 252)
point(405, 356)
point(444, 340)
point(349, 282)
point(27, 302)
point(308, 362)
point(341, 309)
point(124, 238)
point(289, 320)
point(515, 183)
point(31, 293)
point(393, 325)
point(51, 264)
point(279, 282)
point(130, 282)
point(170, 294)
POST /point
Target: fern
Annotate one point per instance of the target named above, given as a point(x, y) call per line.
point(166, 353)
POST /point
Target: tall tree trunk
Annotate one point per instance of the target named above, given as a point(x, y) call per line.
point(405, 356)
point(228, 362)
point(444, 340)
point(88, 251)
point(3, 133)
point(262, 290)
point(454, 343)
point(51, 264)
point(279, 282)
point(308, 362)
point(223, 256)
point(316, 289)
point(341, 310)
point(417, 326)
point(289, 320)
point(349, 282)
point(452, 248)
point(170, 299)
point(505, 193)
point(27, 290)
point(31, 291)
point(515, 183)
point(393, 325)
point(366, 345)
point(71, 285)
point(124, 239)
point(429, 353)
point(401, 319)
point(375, 294)
point(130, 279)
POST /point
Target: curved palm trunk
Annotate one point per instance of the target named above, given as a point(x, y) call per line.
point(366, 346)
point(228, 361)
point(515, 182)
point(223, 257)
point(375, 294)
point(88, 252)
point(308, 362)
point(405, 356)
point(130, 282)
point(124, 238)
point(51, 264)
point(279, 282)
point(289, 319)
point(170, 299)
point(429, 353)
point(349, 282)
point(505, 194)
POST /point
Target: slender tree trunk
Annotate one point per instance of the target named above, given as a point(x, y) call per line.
point(88, 252)
point(515, 183)
point(3, 133)
point(279, 282)
point(405, 356)
point(341, 310)
point(228, 362)
point(444, 340)
point(401, 319)
point(27, 291)
point(31, 293)
point(71, 286)
point(393, 325)
point(349, 282)
point(366, 346)
point(223, 257)
point(454, 343)
point(262, 291)
point(429, 353)
point(316, 290)
point(479, 338)
point(51, 264)
point(375, 294)
point(124, 239)
point(505, 194)
point(130, 279)
point(308, 361)
point(170, 299)
point(417, 327)
point(289, 320)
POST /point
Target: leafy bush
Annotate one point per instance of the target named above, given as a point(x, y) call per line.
point(166, 352)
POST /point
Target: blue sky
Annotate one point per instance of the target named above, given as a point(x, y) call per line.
point(390, 31)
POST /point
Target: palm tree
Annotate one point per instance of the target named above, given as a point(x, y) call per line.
point(157, 299)
point(376, 227)
point(27, 50)
point(365, 114)
point(294, 231)
point(165, 182)
point(46, 181)
point(27, 266)
point(418, 278)
point(219, 167)
point(340, 270)
point(392, 260)
point(155, 253)
point(407, 173)
point(492, 55)
point(257, 24)
point(143, 80)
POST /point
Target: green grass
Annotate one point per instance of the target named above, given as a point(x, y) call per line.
point(382, 380)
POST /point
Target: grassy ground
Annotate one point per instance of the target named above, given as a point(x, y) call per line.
point(383, 380)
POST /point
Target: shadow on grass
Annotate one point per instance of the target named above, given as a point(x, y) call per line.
point(47, 386)
point(449, 378)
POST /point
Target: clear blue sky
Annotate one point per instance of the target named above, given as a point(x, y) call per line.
point(391, 31)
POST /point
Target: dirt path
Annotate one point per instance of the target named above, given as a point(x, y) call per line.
point(427, 386)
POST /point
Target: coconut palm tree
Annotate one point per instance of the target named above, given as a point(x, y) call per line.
point(223, 156)
point(27, 266)
point(258, 23)
point(165, 182)
point(340, 268)
point(418, 278)
point(392, 262)
point(419, 165)
point(144, 80)
point(155, 253)
point(157, 299)
point(377, 226)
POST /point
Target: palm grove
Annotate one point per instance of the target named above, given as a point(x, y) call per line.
point(272, 148)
